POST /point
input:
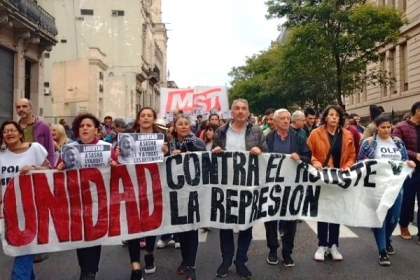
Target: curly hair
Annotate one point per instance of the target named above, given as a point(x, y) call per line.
point(338, 110)
point(78, 120)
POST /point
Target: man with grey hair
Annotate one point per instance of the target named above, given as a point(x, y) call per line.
point(237, 135)
point(284, 140)
point(119, 127)
point(35, 130)
point(298, 122)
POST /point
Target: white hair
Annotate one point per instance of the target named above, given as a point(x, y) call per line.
point(278, 112)
point(296, 116)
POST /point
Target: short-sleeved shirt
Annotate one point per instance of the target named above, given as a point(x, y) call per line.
point(387, 150)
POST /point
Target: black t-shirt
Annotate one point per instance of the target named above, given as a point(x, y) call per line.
point(336, 151)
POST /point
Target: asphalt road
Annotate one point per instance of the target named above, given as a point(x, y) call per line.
point(356, 244)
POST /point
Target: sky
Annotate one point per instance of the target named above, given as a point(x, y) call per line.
point(209, 37)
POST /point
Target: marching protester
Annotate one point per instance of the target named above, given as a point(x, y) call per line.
point(384, 146)
point(349, 124)
point(356, 119)
point(284, 140)
point(35, 130)
point(107, 130)
point(119, 127)
point(269, 113)
point(85, 128)
point(19, 157)
point(202, 127)
point(408, 132)
point(214, 119)
point(238, 135)
point(310, 116)
point(298, 122)
point(144, 123)
point(185, 141)
point(332, 146)
point(209, 135)
point(60, 138)
point(374, 112)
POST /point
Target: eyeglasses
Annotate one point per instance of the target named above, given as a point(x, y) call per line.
point(7, 131)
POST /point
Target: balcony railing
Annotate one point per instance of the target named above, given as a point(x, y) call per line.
point(154, 74)
point(36, 14)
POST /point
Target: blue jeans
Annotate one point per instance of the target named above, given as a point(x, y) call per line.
point(411, 188)
point(23, 268)
point(227, 245)
point(383, 234)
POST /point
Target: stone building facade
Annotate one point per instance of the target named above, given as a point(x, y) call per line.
point(110, 58)
point(26, 32)
point(403, 63)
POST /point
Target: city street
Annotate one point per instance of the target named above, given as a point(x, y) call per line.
point(357, 246)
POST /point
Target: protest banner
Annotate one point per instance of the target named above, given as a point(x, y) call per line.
point(63, 210)
point(194, 101)
point(85, 155)
point(140, 147)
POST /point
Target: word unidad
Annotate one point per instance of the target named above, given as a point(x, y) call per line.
point(238, 189)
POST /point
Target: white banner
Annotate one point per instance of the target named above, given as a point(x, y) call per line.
point(193, 101)
point(140, 147)
point(62, 210)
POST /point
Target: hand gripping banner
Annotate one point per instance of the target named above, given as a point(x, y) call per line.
point(62, 210)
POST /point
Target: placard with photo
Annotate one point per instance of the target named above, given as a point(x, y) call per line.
point(76, 156)
point(140, 147)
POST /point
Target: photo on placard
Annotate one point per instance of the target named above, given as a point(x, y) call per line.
point(140, 147)
point(127, 147)
point(85, 155)
point(71, 157)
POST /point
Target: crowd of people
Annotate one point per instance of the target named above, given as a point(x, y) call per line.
point(332, 139)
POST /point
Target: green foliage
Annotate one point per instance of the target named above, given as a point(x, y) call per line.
point(333, 41)
point(258, 82)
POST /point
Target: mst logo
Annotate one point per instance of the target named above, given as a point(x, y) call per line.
point(187, 100)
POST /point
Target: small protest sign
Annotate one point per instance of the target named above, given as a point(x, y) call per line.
point(140, 147)
point(85, 155)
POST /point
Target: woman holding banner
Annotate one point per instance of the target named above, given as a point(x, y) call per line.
point(144, 123)
point(382, 145)
point(19, 157)
point(185, 141)
point(85, 128)
point(332, 146)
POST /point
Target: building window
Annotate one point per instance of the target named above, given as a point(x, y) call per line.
point(101, 76)
point(80, 18)
point(86, 12)
point(47, 55)
point(63, 41)
point(101, 88)
point(47, 84)
point(117, 13)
